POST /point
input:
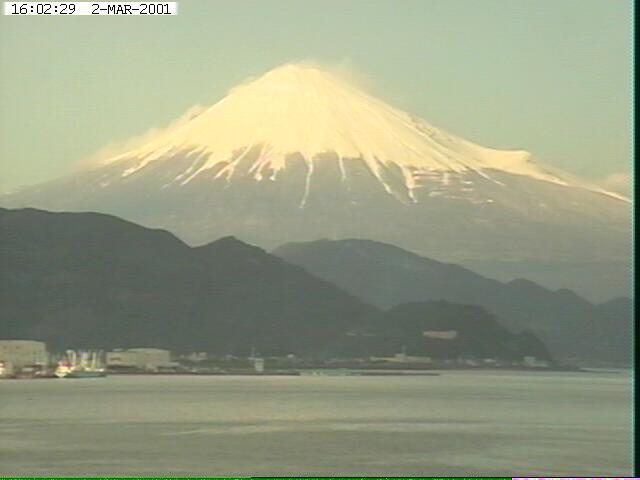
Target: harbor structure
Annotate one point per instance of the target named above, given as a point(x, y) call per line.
point(81, 364)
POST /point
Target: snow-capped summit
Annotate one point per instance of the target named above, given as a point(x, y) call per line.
point(300, 153)
point(306, 111)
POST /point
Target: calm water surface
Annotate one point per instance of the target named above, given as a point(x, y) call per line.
point(459, 423)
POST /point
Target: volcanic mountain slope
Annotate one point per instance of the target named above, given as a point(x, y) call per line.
point(299, 154)
point(386, 276)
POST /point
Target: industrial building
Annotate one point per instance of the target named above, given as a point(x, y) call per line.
point(149, 359)
point(17, 354)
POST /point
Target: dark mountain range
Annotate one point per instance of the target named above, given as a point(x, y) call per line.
point(86, 280)
point(92, 280)
point(385, 276)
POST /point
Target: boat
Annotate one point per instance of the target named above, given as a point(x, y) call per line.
point(83, 364)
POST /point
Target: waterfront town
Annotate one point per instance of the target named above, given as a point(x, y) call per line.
point(31, 359)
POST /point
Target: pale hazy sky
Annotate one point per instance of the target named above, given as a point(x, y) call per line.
point(548, 76)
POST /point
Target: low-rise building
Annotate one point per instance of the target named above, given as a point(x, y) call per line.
point(441, 335)
point(140, 358)
point(17, 354)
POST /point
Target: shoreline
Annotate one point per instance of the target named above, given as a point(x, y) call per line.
point(333, 372)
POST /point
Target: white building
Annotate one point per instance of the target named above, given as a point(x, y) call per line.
point(140, 358)
point(197, 356)
point(531, 361)
point(258, 364)
point(441, 335)
point(16, 354)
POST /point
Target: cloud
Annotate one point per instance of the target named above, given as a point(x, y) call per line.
point(618, 182)
point(343, 70)
point(105, 154)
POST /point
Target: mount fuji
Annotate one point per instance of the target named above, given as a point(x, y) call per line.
point(300, 154)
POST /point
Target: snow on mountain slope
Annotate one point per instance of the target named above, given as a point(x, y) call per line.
point(303, 110)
